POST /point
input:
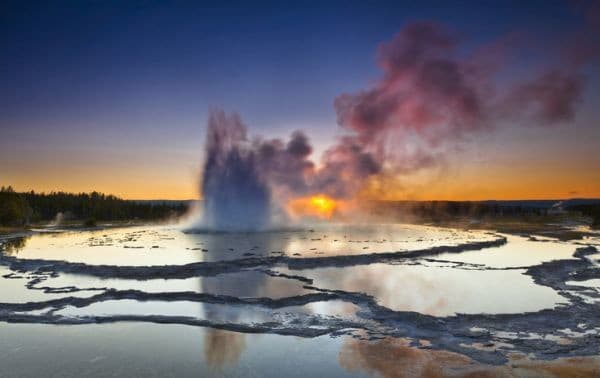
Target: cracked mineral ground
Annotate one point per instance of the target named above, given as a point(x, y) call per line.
point(357, 300)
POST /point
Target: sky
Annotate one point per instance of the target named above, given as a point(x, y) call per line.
point(114, 96)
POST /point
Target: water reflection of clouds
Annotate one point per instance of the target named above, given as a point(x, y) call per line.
point(438, 290)
point(394, 358)
point(223, 348)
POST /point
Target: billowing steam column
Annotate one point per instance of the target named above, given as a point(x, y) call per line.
point(236, 198)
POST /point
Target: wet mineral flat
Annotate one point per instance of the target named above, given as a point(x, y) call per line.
point(357, 300)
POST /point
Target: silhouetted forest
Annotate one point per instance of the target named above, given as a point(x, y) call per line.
point(444, 210)
point(589, 210)
point(440, 211)
point(20, 209)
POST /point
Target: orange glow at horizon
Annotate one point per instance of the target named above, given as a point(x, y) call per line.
point(320, 206)
point(521, 177)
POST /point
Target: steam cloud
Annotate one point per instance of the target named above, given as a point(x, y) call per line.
point(245, 181)
point(429, 93)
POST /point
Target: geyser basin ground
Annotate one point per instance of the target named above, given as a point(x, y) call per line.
point(396, 296)
point(147, 246)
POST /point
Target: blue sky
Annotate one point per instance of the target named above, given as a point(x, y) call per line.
point(135, 79)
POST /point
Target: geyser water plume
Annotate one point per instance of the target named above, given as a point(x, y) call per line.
point(236, 198)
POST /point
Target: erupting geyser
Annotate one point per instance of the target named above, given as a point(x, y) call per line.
point(254, 184)
point(428, 101)
point(251, 185)
point(235, 196)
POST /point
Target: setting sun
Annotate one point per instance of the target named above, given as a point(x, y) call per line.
point(320, 206)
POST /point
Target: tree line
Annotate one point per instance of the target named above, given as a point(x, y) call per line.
point(589, 210)
point(434, 211)
point(21, 209)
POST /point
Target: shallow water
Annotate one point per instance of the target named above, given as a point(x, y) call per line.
point(517, 252)
point(145, 246)
point(148, 350)
point(438, 290)
point(357, 296)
